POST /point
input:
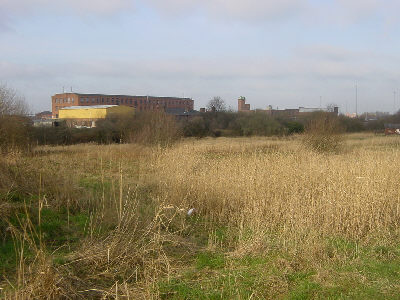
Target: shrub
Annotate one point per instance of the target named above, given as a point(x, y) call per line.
point(260, 124)
point(294, 127)
point(351, 124)
point(195, 127)
point(14, 127)
point(15, 134)
point(58, 135)
point(154, 127)
point(323, 133)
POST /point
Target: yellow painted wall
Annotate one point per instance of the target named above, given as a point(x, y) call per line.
point(95, 113)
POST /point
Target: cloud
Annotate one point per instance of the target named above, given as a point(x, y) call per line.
point(343, 11)
point(333, 12)
point(347, 12)
point(313, 61)
point(240, 9)
point(12, 10)
point(22, 7)
point(297, 80)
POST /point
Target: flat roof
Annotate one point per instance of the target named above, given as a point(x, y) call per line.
point(109, 95)
point(88, 106)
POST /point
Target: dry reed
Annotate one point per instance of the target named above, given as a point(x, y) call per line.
point(276, 188)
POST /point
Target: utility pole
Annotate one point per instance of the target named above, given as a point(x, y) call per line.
point(394, 102)
point(356, 100)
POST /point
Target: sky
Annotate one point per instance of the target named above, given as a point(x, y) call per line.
point(284, 53)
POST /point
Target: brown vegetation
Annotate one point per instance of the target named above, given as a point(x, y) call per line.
point(126, 230)
point(324, 133)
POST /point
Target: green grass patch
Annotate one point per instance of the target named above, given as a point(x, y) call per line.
point(94, 184)
point(210, 260)
point(7, 256)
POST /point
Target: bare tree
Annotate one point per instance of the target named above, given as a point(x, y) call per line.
point(217, 103)
point(11, 103)
point(14, 125)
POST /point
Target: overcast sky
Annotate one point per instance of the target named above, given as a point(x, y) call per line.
point(284, 53)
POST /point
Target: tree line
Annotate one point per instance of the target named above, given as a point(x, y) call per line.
point(18, 134)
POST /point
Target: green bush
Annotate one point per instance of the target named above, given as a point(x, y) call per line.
point(294, 127)
point(196, 127)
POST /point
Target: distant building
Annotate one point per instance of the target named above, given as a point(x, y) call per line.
point(44, 122)
point(182, 114)
point(140, 103)
point(311, 109)
point(351, 115)
point(43, 115)
point(288, 112)
point(87, 116)
point(242, 106)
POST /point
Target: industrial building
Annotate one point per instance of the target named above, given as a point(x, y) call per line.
point(242, 106)
point(288, 112)
point(140, 103)
point(86, 116)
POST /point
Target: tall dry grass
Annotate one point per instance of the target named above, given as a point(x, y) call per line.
point(122, 253)
point(323, 133)
point(268, 192)
point(280, 190)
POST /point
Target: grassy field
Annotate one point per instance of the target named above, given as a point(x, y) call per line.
point(272, 220)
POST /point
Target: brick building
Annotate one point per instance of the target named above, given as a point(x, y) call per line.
point(242, 105)
point(140, 103)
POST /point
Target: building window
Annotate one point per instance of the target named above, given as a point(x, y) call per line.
point(102, 100)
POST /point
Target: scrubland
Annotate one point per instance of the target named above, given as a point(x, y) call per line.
point(272, 220)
